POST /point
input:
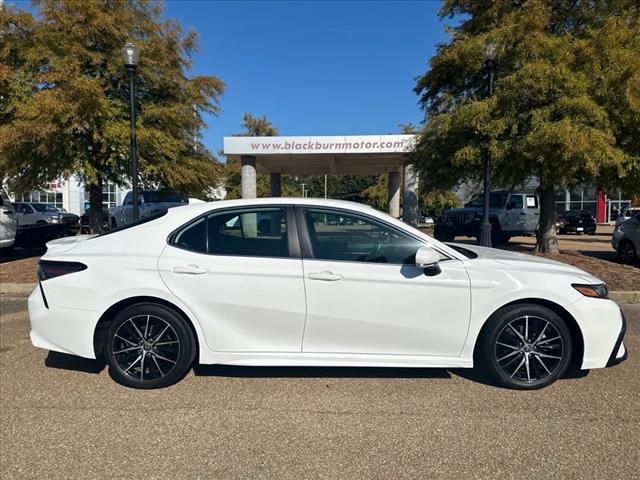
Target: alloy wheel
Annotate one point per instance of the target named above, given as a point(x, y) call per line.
point(529, 349)
point(145, 347)
point(627, 252)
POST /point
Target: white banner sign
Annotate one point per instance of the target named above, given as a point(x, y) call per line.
point(318, 145)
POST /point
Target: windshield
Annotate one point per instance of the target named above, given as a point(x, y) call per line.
point(496, 199)
point(165, 196)
point(44, 207)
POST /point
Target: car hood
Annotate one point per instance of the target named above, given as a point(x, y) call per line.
point(526, 262)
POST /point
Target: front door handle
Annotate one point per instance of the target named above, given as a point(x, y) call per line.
point(190, 270)
point(325, 276)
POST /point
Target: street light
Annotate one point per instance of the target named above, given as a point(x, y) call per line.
point(130, 57)
point(485, 226)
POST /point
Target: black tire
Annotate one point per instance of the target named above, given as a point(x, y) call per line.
point(443, 234)
point(152, 340)
point(627, 252)
point(497, 235)
point(536, 363)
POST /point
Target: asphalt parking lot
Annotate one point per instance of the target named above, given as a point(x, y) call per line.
point(62, 417)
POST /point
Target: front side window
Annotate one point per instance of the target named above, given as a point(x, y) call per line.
point(515, 201)
point(348, 237)
point(253, 233)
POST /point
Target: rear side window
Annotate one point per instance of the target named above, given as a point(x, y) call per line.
point(532, 201)
point(249, 232)
point(194, 237)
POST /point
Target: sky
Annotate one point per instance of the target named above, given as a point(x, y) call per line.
point(313, 68)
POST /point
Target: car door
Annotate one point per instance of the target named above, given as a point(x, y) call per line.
point(366, 296)
point(240, 272)
point(28, 215)
point(516, 216)
point(532, 210)
point(8, 221)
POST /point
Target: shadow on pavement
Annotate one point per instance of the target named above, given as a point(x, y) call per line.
point(71, 362)
point(21, 254)
point(318, 372)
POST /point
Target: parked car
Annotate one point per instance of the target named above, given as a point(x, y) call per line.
point(576, 221)
point(150, 202)
point(626, 240)
point(201, 283)
point(8, 222)
point(85, 227)
point(510, 214)
point(40, 213)
point(626, 214)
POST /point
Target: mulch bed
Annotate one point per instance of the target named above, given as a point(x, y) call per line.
point(617, 276)
point(19, 271)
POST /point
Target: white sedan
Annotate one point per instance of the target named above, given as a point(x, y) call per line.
point(283, 282)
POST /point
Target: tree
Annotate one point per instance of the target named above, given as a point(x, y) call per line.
point(566, 104)
point(434, 202)
point(64, 99)
point(252, 127)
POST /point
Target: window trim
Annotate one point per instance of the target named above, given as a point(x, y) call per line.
point(293, 240)
point(305, 240)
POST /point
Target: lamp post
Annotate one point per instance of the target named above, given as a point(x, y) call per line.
point(130, 57)
point(485, 226)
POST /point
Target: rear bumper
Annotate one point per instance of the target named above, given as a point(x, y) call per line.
point(573, 229)
point(619, 353)
point(64, 330)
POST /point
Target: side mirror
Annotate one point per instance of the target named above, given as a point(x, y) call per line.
point(426, 258)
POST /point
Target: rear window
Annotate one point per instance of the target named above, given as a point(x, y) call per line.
point(164, 196)
point(150, 218)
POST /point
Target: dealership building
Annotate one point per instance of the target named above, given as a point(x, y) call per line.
point(330, 155)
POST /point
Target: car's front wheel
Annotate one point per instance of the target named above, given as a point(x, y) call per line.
point(525, 347)
point(149, 346)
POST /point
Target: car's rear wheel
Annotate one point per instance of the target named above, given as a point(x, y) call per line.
point(627, 252)
point(149, 346)
point(525, 347)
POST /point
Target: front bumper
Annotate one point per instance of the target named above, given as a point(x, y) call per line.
point(620, 352)
point(602, 325)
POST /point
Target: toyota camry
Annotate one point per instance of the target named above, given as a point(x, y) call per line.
point(314, 283)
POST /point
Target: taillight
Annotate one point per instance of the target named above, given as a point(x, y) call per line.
point(51, 269)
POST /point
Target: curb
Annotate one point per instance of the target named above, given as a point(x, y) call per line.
point(625, 297)
point(17, 288)
point(630, 297)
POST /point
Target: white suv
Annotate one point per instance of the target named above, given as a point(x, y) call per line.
point(8, 222)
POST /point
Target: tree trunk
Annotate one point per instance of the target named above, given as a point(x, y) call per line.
point(95, 206)
point(546, 241)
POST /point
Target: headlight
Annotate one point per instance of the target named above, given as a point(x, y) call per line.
point(54, 219)
point(593, 291)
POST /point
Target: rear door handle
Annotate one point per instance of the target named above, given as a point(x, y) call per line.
point(325, 276)
point(190, 270)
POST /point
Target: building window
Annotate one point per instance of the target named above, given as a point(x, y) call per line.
point(109, 195)
point(42, 196)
